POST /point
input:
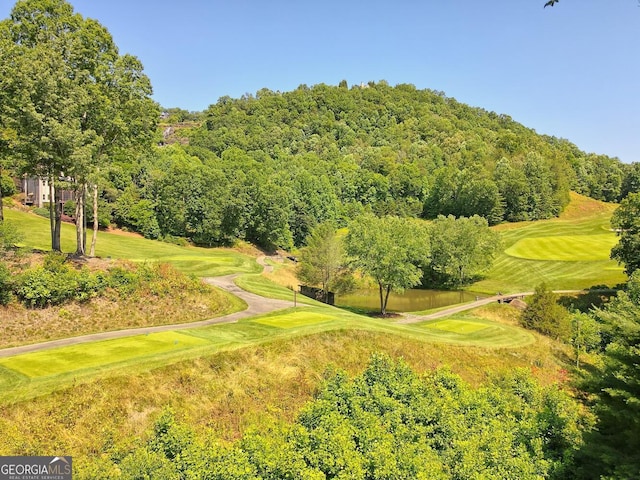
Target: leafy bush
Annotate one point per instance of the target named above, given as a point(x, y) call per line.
point(390, 423)
point(56, 282)
point(5, 285)
point(69, 208)
point(42, 211)
point(8, 185)
point(546, 315)
point(9, 235)
point(39, 287)
point(123, 280)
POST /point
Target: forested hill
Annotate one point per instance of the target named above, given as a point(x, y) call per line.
point(275, 164)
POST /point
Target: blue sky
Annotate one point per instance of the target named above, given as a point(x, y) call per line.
point(572, 71)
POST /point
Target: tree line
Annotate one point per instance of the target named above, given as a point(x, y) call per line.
point(269, 168)
point(266, 167)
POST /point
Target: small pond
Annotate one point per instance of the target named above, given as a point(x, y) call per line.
point(413, 300)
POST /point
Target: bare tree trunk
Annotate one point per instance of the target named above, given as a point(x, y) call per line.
point(79, 220)
point(386, 299)
point(94, 238)
point(382, 305)
point(57, 220)
point(51, 210)
point(84, 218)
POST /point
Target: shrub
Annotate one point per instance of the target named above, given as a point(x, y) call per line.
point(9, 235)
point(69, 208)
point(5, 285)
point(123, 280)
point(8, 185)
point(56, 282)
point(546, 315)
point(42, 211)
point(39, 287)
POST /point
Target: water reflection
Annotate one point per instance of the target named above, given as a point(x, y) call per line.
point(410, 301)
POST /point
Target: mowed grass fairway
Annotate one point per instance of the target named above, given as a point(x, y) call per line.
point(78, 357)
point(533, 252)
point(203, 262)
point(32, 374)
point(567, 253)
point(564, 248)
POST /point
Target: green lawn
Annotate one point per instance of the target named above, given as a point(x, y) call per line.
point(260, 285)
point(564, 248)
point(86, 356)
point(203, 262)
point(570, 252)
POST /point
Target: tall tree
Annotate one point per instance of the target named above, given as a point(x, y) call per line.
point(546, 315)
point(322, 259)
point(613, 448)
point(461, 248)
point(80, 99)
point(626, 222)
point(391, 250)
point(8, 108)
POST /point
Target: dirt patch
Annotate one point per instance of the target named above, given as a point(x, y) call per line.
point(123, 233)
point(388, 315)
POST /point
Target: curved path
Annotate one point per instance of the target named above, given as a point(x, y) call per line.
point(410, 318)
point(257, 305)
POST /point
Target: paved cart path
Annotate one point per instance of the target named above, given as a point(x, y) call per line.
point(256, 305)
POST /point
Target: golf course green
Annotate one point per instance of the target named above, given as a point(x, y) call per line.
point(567, 253)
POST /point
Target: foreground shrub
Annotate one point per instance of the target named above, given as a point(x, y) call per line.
point(389, 423)
point(57, 282)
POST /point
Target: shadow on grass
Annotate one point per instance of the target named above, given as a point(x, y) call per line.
point(583, 302)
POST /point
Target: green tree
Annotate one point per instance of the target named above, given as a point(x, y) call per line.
point(626, 222)
point(585, 334)
point(461, 249)
point(322, 259)
point(613, 448)
point(631, 180)
point(79, 100)
point(8, 109)
point(387, 423)
point(9, 235)
point(391, 250)
point(546, 315)
point(6, 285)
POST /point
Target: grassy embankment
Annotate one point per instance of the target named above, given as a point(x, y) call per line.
point(203, 262)
point(23, 326)
point(222, 378)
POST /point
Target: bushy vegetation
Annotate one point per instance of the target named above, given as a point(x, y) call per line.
point(5, 285)
point(546, 315)
point(613, 448)
point(57, 281)
point(386, 423)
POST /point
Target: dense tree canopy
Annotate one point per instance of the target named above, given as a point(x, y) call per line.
point(284, 162)
point(613, 448)
point(390, 250)
point(626, 222)
point(461, 249)
point(74, 101)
